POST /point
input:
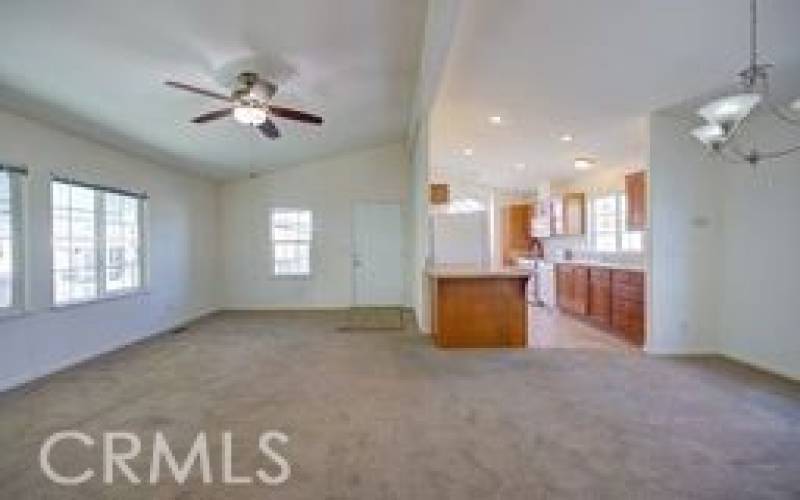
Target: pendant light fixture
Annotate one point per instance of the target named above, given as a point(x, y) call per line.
point(728, 116)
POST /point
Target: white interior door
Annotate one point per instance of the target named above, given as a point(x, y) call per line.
point(378, 254)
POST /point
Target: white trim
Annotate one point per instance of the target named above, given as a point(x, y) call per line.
point(116, 295)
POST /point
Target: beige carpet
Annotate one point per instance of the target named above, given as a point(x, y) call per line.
point(390, 417)
point(374, 319)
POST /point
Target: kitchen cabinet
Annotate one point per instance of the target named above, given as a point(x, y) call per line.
point(568, 214)
point(475, 307)
point(600, 295)
point(627, 305)
point(517, 238)
point(610, 298)
point(636, 201)
point(572, 288)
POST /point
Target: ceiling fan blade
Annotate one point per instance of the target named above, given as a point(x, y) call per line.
point(268, 129)
point(293, 114)
point(197, 90)
point(212, 115)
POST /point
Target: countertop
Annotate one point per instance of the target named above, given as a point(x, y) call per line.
point(476, 271)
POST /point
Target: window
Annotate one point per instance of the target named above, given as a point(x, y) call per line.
point(97, 236)
point(11, 261)
point(607, 229)
point(291, 242)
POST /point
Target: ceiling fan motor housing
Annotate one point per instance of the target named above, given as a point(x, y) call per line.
point(253, 91)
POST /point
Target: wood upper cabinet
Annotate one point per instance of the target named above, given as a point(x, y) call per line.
point(568, 214)
point(574, 214)
point(636, 196)
point(516, 231)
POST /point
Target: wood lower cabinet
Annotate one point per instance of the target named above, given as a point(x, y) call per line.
point(610, 298)
point(600, 295)
point(627, 305)
point(572, 288)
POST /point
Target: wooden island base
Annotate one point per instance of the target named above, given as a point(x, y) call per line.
point(479, 308)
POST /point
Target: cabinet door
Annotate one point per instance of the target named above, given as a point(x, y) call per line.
point(564, 287)
point(580, 280)
point(636, 196)
point(574, 214)
point(600, 295)
point(516, 232)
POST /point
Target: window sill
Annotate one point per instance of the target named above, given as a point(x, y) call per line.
point(106, 298)
point(291, 277)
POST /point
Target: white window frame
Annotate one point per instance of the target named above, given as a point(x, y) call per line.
point(310, 242)
point(16, 174)
point(100, 243)
point(620, 225)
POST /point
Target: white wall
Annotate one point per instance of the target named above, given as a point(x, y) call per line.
point(725, 276)
point(329, 188)
point(685, 229)
point(182, 253)
point(760, 266)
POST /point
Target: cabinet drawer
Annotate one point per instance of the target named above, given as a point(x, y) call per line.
point(627, 277)
point(625, 292)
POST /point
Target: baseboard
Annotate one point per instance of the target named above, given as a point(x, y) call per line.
point(756, 365)
point(286, 308)
point(17, 382)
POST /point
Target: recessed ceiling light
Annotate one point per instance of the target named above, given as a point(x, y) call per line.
point(519, 166)
point(566, 138)
point(468, 151)
point(584, 163)
point(496, 120)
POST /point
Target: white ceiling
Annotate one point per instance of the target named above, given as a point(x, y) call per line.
point(591, 69)
point(97, 67)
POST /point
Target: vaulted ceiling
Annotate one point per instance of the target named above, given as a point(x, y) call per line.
point(591, 69)
point(97, 68)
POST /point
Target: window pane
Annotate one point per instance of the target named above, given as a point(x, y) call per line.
point(291, 232)
point(122, 242)
point(606, 242)
point(74, 243)
point(632, 241)
point(6, 233)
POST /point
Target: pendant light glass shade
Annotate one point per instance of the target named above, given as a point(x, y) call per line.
point(730, 110)
point(710, 134)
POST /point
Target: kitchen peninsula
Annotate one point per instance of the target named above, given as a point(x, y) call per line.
point(475, 306)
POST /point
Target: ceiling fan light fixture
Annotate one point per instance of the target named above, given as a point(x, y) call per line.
point(250, 115)
point(730, 110)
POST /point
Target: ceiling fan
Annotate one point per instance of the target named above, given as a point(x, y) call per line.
point(250, 105)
